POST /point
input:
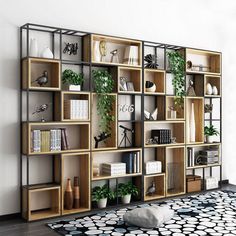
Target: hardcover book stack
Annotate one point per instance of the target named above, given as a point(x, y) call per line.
point(132, 161)
point(163, 136)
point(76, 109)
point(49, 140)
point(153, 167)
point(114, 169)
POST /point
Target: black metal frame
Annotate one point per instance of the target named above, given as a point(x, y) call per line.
point(69, 32)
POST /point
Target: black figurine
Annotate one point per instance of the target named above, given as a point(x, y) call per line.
point(151, 61)
point(125, 137)
point(101, 137)
point(152, 189)
point(40, 109)
point(43, 79)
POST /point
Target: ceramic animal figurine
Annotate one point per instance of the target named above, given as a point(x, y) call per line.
point(152, 189)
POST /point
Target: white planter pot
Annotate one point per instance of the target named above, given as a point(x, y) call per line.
point(102, 203)
point(126, 199)
point(210, 139)
point(75, 87)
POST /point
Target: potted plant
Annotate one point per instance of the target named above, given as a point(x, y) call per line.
point(210, 132)
point(125, 191)
point(100, 194)
point(72, 79)
point(104, 84)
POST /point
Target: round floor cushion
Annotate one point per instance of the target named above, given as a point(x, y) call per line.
point(149, 217)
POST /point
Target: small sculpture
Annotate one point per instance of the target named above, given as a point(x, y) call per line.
point(150, 86)
point(151, 116)
point(71, 48)
point(103, 50)
point(190, 90)
point(101, 137)
point(43, 79)
point(208, 108)
point(40, 109)
point(151, 189)
point(114, 57)
point(151, 61)
point(125, 137)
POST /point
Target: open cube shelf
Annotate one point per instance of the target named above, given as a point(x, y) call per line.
point(214, 81)
point(174, 112)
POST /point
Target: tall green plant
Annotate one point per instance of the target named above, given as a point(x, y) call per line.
point(104, 85)
point(177, 67)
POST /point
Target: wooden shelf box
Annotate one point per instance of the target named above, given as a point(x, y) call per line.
point(157, 77)
point(77, 136)
point(208, 59)
point(133, 75)
point(41, 201)
point(76, 165)
point(198, 84)
point(34, 68)
point(64, 110)
point(199, 118)
point(214, 81)
point(159, 180)
point(175, 170)
point(180, 111)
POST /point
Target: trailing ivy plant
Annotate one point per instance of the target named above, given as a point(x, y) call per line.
point(72, 78)
point(177, 67)
point(104, 84)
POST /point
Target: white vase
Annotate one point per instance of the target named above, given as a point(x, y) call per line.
point(74, 87)
point(172, 114)
point(96, 51)
point(33, 52)
point(102, 203)
point(214, 90)
point(126, 199)
point(192, 128)
point(210, 139)
point(47, 53)
point(208, 89)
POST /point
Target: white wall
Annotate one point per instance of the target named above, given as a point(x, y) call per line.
point(208, 24)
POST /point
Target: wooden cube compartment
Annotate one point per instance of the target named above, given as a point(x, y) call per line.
point(180, 111)
point(34, 68)
point(76, 165)
point(175, 170)
point(110, 142)
point(199, 119)
point(157, 77)
point(112, 43)
point(62, 108)
point(41, 201)
point(159, 180)
point(198, 84)
point(133, 75)
point(112, 156)
point(208, 59)
point(214, 81)
point(78, 136)
point(177, 131)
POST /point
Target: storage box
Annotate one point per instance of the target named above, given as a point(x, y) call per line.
point(153, 167)
point(211, 183)
point(114, 169)
point(193, 183)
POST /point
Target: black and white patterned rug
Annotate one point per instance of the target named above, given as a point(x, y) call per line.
point(212, 213)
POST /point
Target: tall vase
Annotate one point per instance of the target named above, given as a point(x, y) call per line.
point(68, 198)
point(33, 52)
point(96, 51)
point(192, 124)
point(76, 193)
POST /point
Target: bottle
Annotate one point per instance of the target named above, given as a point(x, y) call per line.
point(68, 198)
point(76, 193)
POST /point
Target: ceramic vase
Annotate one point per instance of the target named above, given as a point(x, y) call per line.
point(173, 114)
point(76, 193)
point(47, 53)
point(102, 203)
point(208, 89)
point(68, 198)
point(33, 52)
point(214, 90)
point(126, 199)
point(192, 124)
point(96, 51)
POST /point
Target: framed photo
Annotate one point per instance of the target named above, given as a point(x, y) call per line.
point(123, 84)
point(130, 86)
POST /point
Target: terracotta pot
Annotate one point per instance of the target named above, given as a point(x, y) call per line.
point(68, 197)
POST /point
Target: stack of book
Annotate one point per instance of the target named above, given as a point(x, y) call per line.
point(49, 140)
point(114, 169)
point(76, 109)
point(132, 161)
point(162, 136)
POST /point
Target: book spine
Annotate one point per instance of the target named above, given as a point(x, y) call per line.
point(59, 139)
point(134, 163)
point(66, 140)
point(138, 161)
point(193, 157)
point(63, 140)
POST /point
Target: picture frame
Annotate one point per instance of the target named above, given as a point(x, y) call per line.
point(130, 86)
point(123, 84)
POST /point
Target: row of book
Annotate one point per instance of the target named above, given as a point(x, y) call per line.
point(132, 161)
point(76, 109)
point(49, 140)
point(161, 136)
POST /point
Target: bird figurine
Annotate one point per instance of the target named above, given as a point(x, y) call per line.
point(114, 57)
point(40, 109)
point(43, 79)
point(151, 189)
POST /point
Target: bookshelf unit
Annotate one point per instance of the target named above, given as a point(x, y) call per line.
point(69, 137)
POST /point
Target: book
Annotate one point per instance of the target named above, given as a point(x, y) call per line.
point(66, 139)
point(138, 162)
point(63, 140)
point(36, 141)
point(127, 158)
point(134, 163)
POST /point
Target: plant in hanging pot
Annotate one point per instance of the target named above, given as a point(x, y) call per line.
point(103, 85)
point(72, 79)
point(210, 132)
point(125, 191)
point(100, 194)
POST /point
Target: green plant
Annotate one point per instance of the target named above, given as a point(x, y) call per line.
point(104, 85)
point(71, 77)
point(126, 188)
point(100, 192)
point(177, 67)
point(210, 131)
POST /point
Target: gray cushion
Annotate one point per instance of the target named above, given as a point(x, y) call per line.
point(149, 217)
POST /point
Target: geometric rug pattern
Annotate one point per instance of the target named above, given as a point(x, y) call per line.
point(211, 213)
